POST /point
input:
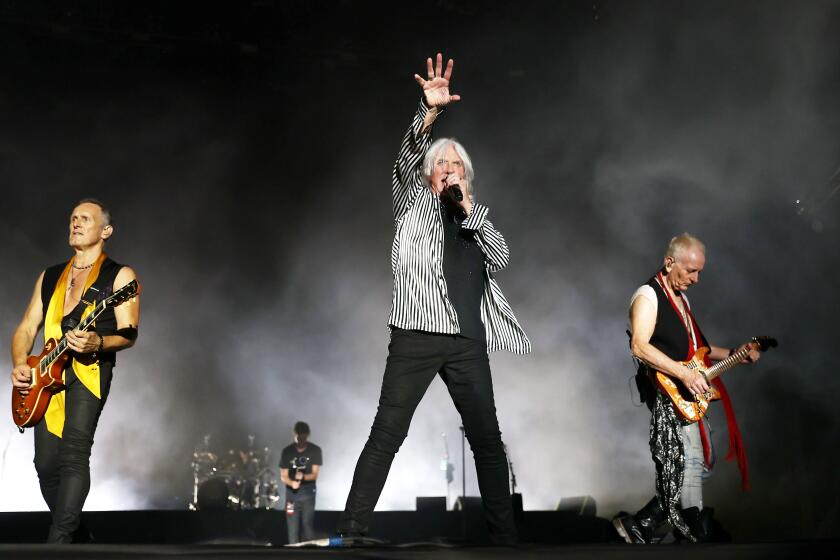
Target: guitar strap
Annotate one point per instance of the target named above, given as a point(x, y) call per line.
point(87, 374)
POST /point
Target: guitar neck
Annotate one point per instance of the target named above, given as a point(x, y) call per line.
point(727, 363)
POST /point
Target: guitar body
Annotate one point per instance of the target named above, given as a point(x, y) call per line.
point(691, 408)
point(29, 409)
point(48, 366)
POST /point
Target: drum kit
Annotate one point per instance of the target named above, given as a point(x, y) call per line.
point(238, 479)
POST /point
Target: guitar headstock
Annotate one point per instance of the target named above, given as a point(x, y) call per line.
point(765, 342)
point(123, 294)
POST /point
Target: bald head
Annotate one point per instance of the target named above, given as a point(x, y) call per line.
point(684, 260)
point(682, 244)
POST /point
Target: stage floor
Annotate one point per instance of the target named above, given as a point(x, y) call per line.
point(235, 535)
point(758, 551)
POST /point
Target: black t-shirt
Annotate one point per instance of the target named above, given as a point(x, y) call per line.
point(294, 460)
point(463, 269)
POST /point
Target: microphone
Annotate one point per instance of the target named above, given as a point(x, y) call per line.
point(454, 188)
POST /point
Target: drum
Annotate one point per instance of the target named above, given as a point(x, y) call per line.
point(220, 491)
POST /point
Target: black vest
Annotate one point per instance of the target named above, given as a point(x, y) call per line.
point(106, 323)
point(669, 335)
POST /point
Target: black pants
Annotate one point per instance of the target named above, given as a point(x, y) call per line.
point(63, 463)
point(414, 358)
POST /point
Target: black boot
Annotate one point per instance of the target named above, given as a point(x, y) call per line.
point(698, 522)
point(82, 535)
point(639, 528)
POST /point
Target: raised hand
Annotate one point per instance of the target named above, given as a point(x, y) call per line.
point(436, 85)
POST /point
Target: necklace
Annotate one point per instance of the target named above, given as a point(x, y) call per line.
point(74, 275)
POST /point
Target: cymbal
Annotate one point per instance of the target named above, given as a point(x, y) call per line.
point(204, 457)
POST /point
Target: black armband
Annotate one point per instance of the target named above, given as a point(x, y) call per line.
point(129, 333)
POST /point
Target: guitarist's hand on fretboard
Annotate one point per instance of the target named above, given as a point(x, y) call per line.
point(83, 342)
point(753, 353)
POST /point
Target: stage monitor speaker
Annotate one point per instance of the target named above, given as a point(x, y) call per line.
point(431, 504)
point(516, 500)
point(581, 505)
point(471, 503)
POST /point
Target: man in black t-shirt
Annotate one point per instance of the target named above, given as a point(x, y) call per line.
point(300, 464)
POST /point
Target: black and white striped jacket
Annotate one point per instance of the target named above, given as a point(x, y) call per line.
point(420, 299)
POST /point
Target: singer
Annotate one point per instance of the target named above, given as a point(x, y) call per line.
point(447, 313)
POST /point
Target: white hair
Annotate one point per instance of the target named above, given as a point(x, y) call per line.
point(437, 150)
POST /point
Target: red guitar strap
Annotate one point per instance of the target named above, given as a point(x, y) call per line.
point(736, 450)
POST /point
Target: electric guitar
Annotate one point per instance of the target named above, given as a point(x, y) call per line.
point(693, 407)
point(47, 367)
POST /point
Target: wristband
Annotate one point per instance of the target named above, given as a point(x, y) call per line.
point(101, 342)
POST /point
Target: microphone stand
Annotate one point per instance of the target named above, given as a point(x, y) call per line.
point(446, 467)
point(512, 474)
point(516, 499)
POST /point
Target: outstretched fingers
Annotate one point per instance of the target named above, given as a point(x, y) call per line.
point(436, 83)
point(448, 73)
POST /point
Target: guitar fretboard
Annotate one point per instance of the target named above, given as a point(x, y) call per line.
point(727, 363)
point(61, 347)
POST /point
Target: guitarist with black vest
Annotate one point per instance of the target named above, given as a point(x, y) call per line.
point(64, 294)
point(663, 335)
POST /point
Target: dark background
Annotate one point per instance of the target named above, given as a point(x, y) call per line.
point(245, 150)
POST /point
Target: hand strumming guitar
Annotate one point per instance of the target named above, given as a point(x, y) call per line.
point(22, 378)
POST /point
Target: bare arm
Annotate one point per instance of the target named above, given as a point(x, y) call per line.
point(313, 476)
point(642, 324)
point(717, 353)
point(127, 315)
point(284, 478)
point(24, 338)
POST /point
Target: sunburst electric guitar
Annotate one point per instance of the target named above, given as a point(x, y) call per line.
point(47, 367)
point(692, 407)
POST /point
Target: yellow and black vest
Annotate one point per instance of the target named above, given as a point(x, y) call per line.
point(53, 289)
